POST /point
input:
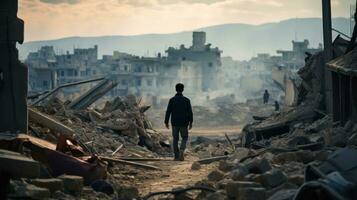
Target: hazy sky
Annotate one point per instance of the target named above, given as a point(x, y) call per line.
point(51, 19)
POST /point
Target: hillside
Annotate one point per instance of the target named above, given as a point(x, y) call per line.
point(240, 41)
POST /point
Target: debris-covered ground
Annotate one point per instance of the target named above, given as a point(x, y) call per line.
point(113, 152)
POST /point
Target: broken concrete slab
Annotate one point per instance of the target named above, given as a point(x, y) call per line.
point(232, 187)
point(215, 176)
point(258, 165)
point(52, 184)
point(297, 179)
point(273, 178)
point(225, 165)
point(251, 194)
point(72, 184)
point(126, 192)
point(219, 195)
point(287, 194)
point(28, 191)
point(239, 173)
point(17, 165)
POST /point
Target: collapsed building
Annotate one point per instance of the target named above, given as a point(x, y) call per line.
point(196, 66)
point(307, 151)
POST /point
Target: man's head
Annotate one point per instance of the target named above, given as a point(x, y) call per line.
point(179, 87)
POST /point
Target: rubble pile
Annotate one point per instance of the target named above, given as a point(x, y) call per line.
point(121, 121)
point(298, 153)
point(72, 153)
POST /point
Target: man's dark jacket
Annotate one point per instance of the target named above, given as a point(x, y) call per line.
point(180, 109)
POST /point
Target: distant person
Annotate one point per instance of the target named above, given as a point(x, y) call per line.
point(266, 97)
point(180, 110)
point(277, 106)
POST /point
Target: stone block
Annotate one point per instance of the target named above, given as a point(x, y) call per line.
point(126, 192)
point(232, 187)
point(251, 194)
point(18, 165)
point(239, 174)
point(72, 184)
point(273, 178)
point(28, 191)
point(225, 165)
point(195, 166)
point(215, 176)
point(296, 179)
point(52, 184)
point(219, 195)
point(258, 166)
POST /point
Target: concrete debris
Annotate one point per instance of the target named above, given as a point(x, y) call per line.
point(52, 184)
point(17, 165)
point(273, 178)
point(215, 176)
point(219, 195)
point(102, 186)
point(72, 149)
point(23, 190)
point(196, 166)
point(126, 192)
point(72, 184)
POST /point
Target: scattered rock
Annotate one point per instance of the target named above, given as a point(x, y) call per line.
point(273, 178)
point(215, 176)
point(322, 155)
point(225, 165)
point(222, 184)
point(52, 184)
point(239, 173)
point(283, 195)
point(196, 166)
point(284, 157)
point(305, 156)
point(251, 194)
point(127, 192)
point(102, 186)
point(240, 153)
point(219, 195)
point(29, 191)
point(72, 184)
point(296, 179)
point(232, 188)
point(258, 166)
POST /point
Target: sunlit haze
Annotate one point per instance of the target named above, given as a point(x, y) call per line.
point(51, 19)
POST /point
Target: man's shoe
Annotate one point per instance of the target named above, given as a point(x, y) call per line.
point(176, 159)
point(182, 156)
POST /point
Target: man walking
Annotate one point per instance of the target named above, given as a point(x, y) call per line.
point(180, 110)
point(266, 97)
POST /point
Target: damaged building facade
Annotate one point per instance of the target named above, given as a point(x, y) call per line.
point(196, 66)
point(48, 70)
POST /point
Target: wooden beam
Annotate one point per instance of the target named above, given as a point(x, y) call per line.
point(49, 122)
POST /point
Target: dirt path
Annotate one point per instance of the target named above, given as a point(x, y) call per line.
point(174, 174)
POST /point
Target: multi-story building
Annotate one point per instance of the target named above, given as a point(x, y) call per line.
point(295, 58)
point(41, 75)
point(206, 58)
point(197, 67)
point(48, 70)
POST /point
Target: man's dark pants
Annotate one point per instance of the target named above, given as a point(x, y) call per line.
point(176, 132)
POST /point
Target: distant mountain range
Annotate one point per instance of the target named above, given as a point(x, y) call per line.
point(241, 41)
